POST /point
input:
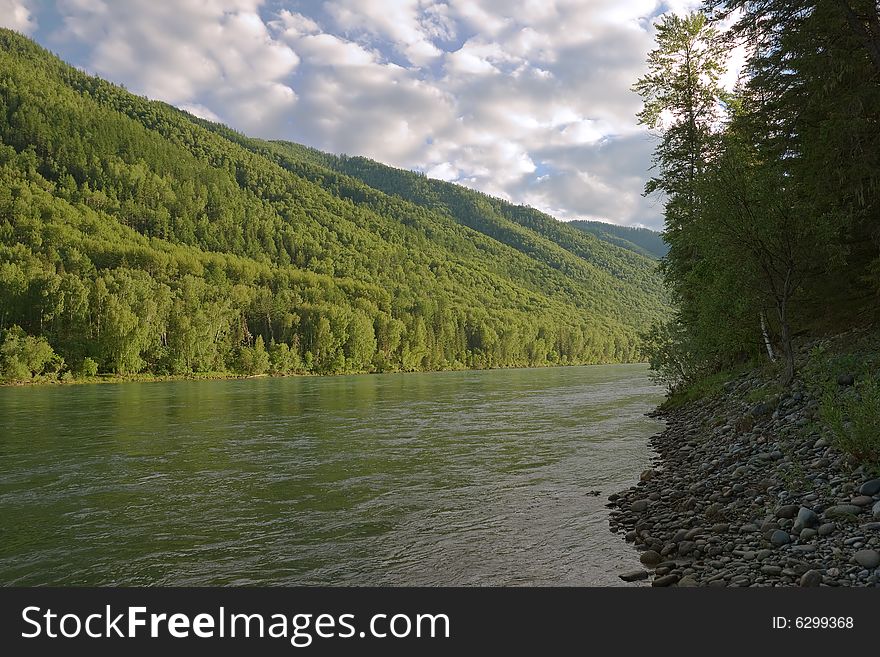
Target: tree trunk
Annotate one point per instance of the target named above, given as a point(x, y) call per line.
point(766, 336)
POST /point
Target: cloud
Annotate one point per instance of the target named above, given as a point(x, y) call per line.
point(17, 15)
point(215, 56)
point(526, 99)
point(410, 26)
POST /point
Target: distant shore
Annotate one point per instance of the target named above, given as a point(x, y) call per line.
point(222, 376)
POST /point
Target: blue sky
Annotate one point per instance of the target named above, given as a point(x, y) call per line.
point(525, 99)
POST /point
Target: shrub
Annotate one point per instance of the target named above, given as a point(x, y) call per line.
point(22, 356)
point(854, 419)
point(87, 368)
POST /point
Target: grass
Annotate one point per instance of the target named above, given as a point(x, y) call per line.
point(765, 393)
point(705, 388)
point(853, 416)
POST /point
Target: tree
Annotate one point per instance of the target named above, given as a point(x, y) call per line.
point(681, 95)
point(23, 356)
point(755, 226)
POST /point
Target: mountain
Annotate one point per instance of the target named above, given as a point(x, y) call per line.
point(135, 237)
point(644, 241)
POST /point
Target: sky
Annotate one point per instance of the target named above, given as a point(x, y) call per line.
point(529, 100)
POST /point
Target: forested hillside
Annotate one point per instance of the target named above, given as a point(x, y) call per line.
point(641, 240)
point(135, 238)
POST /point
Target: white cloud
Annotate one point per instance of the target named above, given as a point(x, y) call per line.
point(215, 55)
point(410, 25)
point(526, 99)
point(17, 15)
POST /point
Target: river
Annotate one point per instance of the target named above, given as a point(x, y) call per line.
point(449, 478)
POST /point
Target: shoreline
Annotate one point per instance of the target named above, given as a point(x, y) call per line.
point(751, 493)
point(224, 376)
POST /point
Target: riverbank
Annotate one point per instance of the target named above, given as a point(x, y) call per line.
point(221, 376)
point(751, 487)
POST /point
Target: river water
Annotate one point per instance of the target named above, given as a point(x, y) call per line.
point(450, 478)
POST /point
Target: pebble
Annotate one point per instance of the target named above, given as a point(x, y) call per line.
point(639, 506)
point(867, 558)
point(811, 578)
point(650, 557)
point(666, 580)
point(805, 518)
point(787, 511)
point(734, 479)
point(839, 510)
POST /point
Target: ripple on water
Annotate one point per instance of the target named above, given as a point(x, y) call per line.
point(458, 478)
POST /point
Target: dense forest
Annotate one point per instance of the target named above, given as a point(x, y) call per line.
point(641, 240)
point(138, 239)
point(771, 191)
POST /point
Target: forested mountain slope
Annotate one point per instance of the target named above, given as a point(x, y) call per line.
point(137, 238)
point(641, 240)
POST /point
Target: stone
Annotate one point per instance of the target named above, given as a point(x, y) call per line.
point(634, 575)
point(805, 518)
point(687, 581)
point(761, 409)
point(807, 534)
point(639, 506)
point(666, 580)
point(787, 511)
point(650, 557)
point(876, 511)
point(846, 379)
point(862, 500)
point(827, 529)
point(867, 558)
point(772, 570)
point(871, 487)
point(840, 510)
point(686, 547)
point(811, 578)
point(779, 538)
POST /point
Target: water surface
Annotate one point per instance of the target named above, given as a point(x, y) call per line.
point(452, 478)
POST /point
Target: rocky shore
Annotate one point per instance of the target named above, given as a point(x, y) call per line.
point(752, 493)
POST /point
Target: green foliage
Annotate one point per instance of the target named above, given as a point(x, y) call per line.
point(771, 192)
point(705, 387)
point(146, 241)
point(23, 357)
point(88, 368)
point(666, 347)
point(253, 360)
point(853, 415)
